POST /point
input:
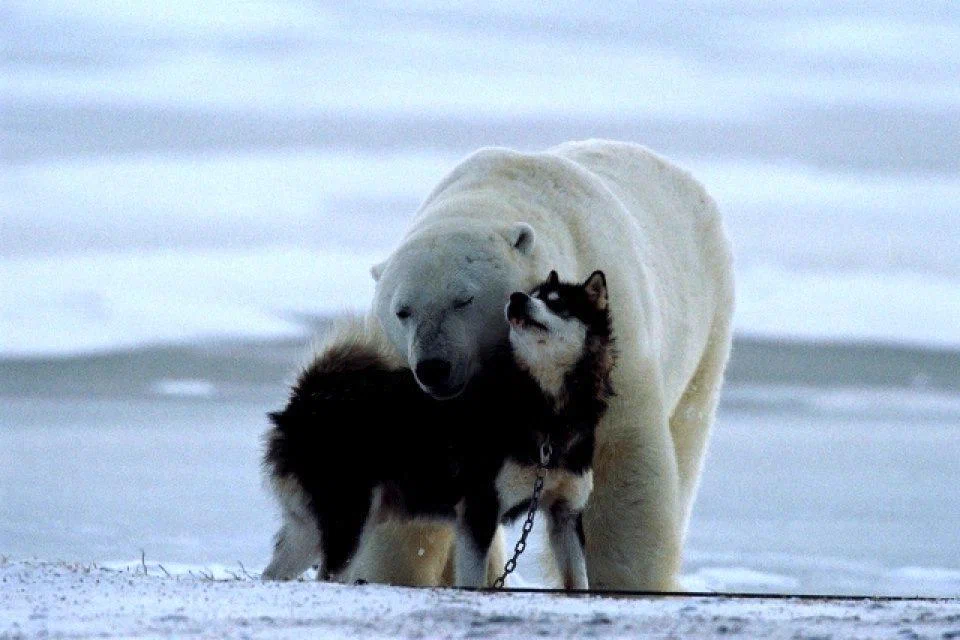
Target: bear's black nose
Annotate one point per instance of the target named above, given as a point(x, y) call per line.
point(433, 372)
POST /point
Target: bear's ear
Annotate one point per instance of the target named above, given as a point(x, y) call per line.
point(377, 270)
point(521, 237)
point(596, 288)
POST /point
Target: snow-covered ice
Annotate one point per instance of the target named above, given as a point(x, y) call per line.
point(69, 304)
point(89, 302)
point(185, 387)
point(820, 256)
point(142, 601)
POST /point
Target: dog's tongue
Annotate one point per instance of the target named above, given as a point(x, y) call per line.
point(517, 322)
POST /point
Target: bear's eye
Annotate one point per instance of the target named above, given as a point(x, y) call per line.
point(403, 313)
point(462, 304)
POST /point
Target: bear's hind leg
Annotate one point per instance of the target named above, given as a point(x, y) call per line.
point(694, 414)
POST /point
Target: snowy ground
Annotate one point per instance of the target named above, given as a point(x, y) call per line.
point(84, 601)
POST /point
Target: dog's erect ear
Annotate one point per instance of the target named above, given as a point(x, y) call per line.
point(596, 288)
point(521, 237)
point(377, 270)
point(553, 279)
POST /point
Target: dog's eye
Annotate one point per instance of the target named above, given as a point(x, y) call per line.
point(462, 304)
point(403, 313)
point(556, 305)
point(553, 300)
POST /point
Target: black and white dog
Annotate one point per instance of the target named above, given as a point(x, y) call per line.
point(359, 442)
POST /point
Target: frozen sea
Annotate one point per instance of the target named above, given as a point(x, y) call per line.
point(189, 189)
point(809, 488)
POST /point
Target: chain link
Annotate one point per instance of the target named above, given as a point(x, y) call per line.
point(545, 452)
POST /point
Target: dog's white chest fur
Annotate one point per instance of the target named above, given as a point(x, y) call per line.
point(514, 484)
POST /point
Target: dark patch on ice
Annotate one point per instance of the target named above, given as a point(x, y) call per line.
point(830, 364)
point(504, 619)
point(483, 626)
point(729, 629)
point(600, 618)
point(173, 617)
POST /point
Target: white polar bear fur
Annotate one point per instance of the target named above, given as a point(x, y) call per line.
point(654, 231)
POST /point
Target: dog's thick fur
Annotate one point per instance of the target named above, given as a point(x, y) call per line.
point(359, 442)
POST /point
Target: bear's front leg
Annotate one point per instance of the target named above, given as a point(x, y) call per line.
point(567, 544)
point(476, 526)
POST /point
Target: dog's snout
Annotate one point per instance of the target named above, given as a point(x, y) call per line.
point(433, 372)
point(517, 307)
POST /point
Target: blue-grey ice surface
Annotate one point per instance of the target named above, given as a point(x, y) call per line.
point(185, 173)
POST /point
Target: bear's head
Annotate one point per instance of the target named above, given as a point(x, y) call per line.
point(440, 298)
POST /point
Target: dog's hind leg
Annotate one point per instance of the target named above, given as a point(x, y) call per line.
point(296, 548)
point(343, 518)
point(567, 543)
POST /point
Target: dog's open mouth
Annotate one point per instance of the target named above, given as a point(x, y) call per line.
point(522, 323)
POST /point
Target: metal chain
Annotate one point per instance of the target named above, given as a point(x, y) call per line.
point(545, 452)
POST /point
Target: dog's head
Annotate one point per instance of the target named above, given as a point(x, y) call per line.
point(557, 325)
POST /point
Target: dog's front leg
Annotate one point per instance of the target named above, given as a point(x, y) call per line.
point(476, 526)
point(296, 547)
point(567, 543)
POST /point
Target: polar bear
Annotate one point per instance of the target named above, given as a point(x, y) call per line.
point(499, 222)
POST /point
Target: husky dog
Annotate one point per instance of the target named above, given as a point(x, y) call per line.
point(359, 442)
